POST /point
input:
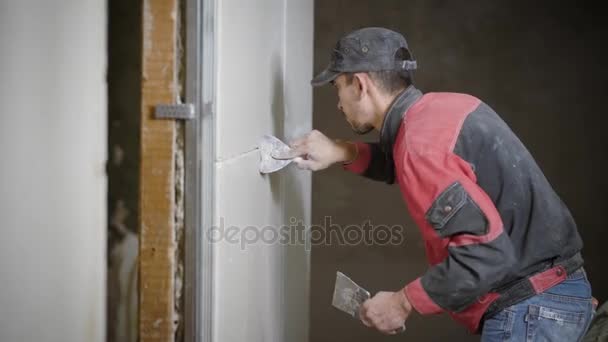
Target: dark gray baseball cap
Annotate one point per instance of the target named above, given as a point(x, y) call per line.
point(368, 49)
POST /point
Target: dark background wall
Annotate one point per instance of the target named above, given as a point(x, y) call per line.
point(124, 99)
point(543, 69)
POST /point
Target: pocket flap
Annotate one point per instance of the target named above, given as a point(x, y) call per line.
point(446, 205)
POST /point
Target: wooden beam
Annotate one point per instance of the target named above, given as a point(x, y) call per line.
point(157, 191)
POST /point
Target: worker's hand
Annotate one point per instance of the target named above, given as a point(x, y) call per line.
point(319, 152)
point(386, 311)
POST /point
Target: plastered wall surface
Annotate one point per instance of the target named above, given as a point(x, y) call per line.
point(52, 178)
point(264, 64)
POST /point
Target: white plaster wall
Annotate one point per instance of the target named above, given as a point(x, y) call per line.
point(264, 66)
point(52, 178)
point(298, 120)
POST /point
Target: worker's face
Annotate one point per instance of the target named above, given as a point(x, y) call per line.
point(354, 103)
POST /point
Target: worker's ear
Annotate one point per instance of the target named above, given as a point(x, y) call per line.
point(361, 84)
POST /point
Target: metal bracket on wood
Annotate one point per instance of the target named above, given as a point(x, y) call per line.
point(182, 111)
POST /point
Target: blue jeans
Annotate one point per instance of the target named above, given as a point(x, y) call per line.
point(561, 313)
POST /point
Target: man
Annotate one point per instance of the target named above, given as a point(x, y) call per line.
point(503, 249)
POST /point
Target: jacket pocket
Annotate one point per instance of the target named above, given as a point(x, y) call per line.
point(454, 212)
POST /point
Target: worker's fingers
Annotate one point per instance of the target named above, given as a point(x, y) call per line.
point(299, 142)
point(389, 326)
point(308, 139)
point(388, 332)
point(369, 314)
point(367, 322)
point(400, 329)
point(301, 149)
point(364, 317)
point(304, 164)
point(376, 317)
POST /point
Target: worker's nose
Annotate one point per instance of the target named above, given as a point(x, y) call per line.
point(340, 107)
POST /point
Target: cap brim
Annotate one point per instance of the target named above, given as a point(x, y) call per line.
point(324, 77)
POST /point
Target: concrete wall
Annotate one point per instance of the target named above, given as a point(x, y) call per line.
point(541, 67)
point(52, 179)
point(264, 63)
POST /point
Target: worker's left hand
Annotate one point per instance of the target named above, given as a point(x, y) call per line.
point(386, 311)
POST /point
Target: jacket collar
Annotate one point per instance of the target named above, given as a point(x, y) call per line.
point(392, 121)
point(394, 116)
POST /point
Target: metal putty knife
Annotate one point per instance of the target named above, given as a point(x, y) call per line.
point(348, 296)
point(274, 154)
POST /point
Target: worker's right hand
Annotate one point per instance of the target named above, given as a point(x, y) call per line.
point(318, 152)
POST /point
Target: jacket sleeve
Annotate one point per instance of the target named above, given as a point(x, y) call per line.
point(370, 162)
point(478, 253)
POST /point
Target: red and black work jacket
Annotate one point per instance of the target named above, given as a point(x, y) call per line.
point(495, 231)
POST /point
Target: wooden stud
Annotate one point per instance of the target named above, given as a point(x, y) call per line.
point(157, 193)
